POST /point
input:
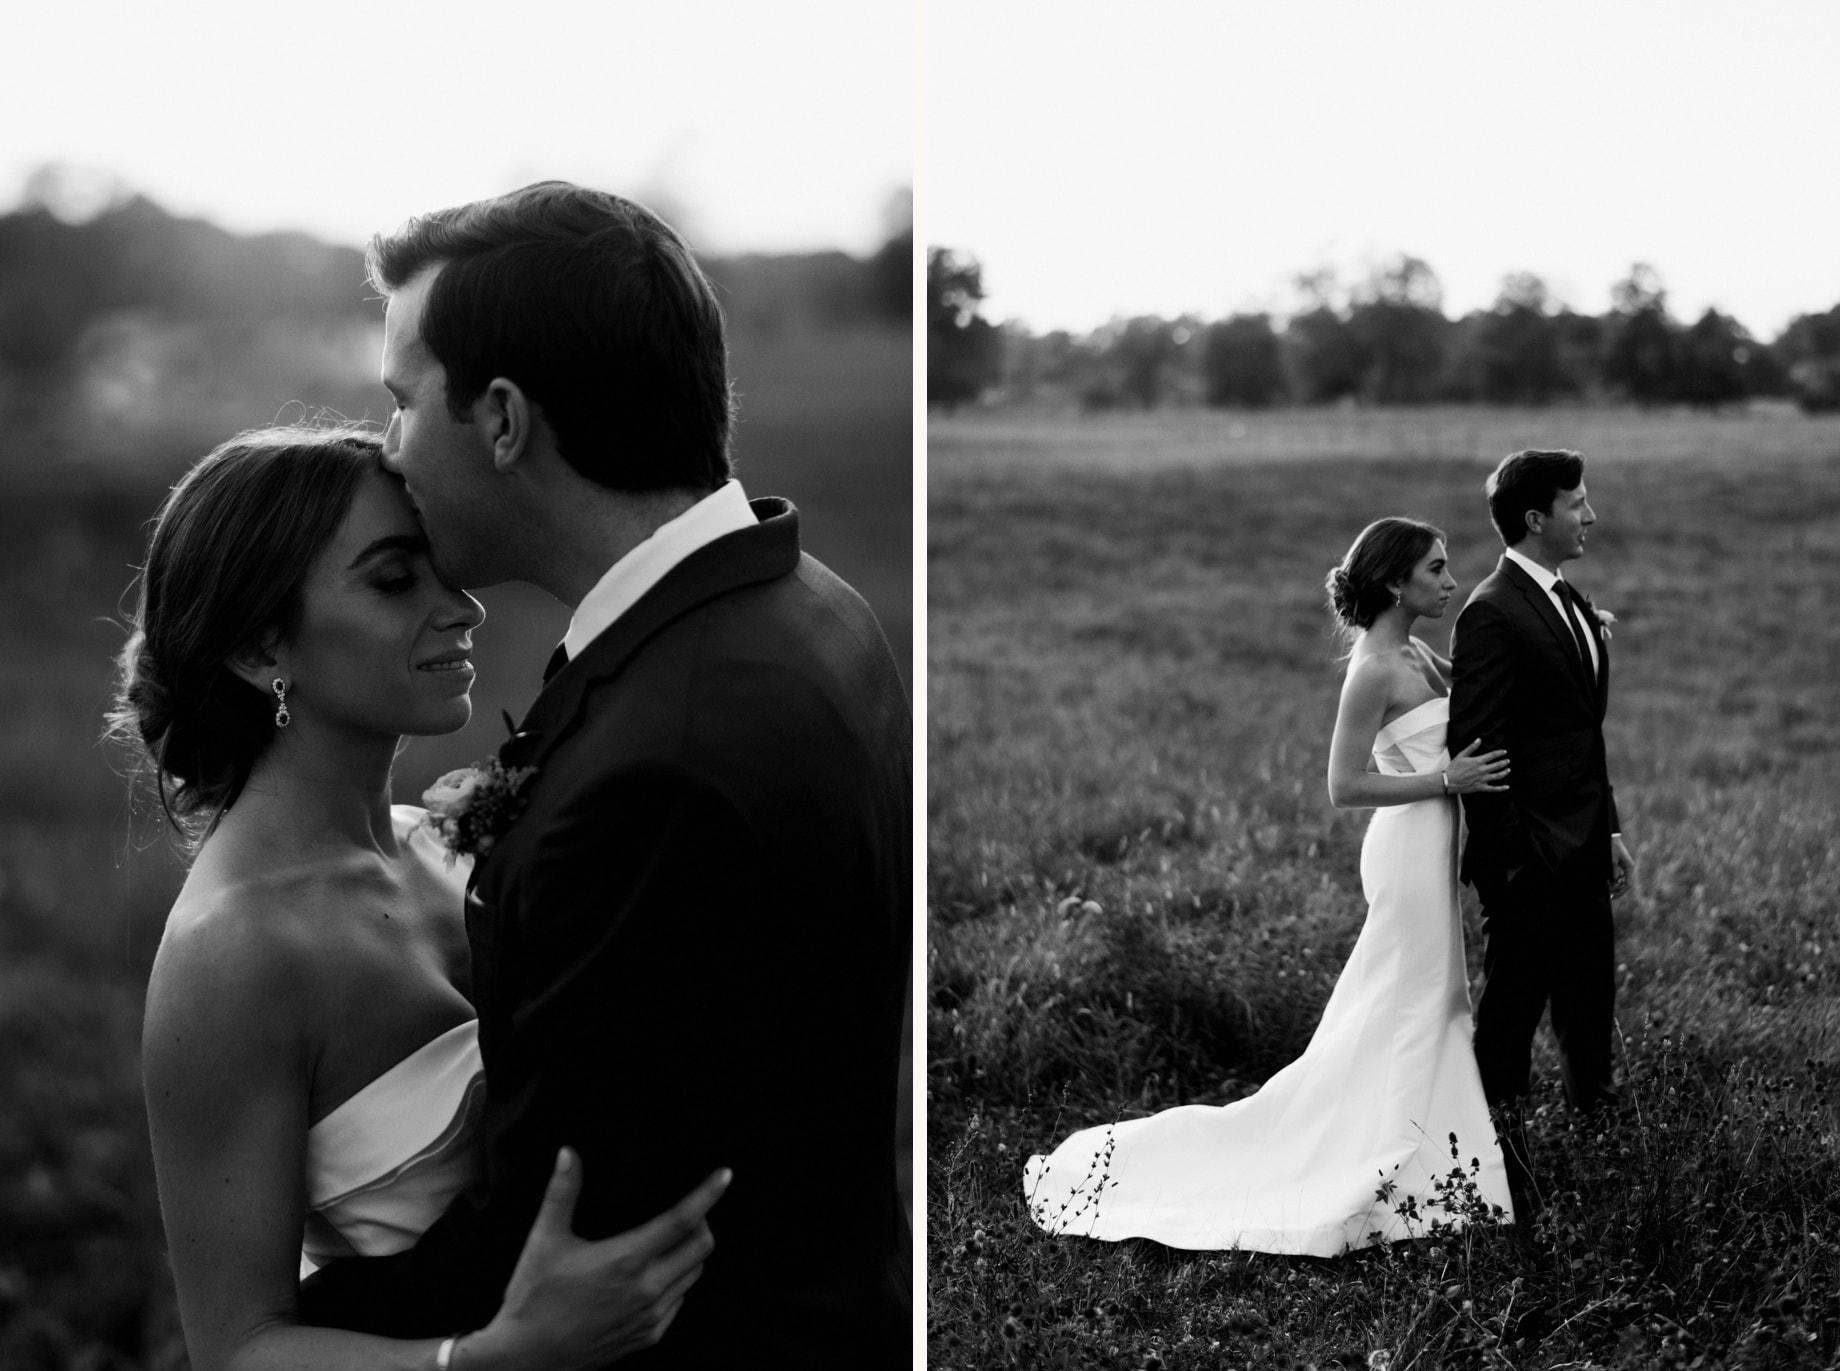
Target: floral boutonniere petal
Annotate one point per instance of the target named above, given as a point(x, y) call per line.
point(1604, 621)
point(469, 809)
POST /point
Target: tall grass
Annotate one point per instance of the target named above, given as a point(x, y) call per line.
point(1139, 895)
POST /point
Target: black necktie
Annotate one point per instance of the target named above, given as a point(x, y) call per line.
point(557, 660)
point(1566, 593)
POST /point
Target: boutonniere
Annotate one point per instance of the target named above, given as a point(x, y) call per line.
point(469, 809)
point(1603, 616)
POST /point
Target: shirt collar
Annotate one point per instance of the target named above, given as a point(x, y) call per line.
point(1541, 576)
point(716, 515)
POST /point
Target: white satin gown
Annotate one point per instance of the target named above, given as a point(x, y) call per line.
point(384, 1165)
point(1388, 1076)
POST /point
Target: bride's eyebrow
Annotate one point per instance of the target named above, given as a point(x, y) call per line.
point(411, 543)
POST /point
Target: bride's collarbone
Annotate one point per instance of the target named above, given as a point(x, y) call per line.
point(355, 920)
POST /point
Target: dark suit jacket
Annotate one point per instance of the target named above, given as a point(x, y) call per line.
point(690, 951)
point(1519, 683)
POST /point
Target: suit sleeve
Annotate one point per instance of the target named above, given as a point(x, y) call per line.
point(1482, 657)
point(618, 944)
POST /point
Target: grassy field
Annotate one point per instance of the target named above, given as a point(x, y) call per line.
point(85, 885)
point(1139, 894)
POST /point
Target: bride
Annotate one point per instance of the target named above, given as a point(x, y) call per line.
point(1336, 1145)
point(312, 1069)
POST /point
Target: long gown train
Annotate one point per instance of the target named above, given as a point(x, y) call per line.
point(1387, 1078)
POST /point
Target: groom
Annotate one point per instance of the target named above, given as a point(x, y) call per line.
point(1531, 673)
point(690, 949)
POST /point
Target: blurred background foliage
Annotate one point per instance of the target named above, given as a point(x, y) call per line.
point(131, 342)
point(1382, 340)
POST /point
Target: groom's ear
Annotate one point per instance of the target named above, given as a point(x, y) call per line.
point(508, 420)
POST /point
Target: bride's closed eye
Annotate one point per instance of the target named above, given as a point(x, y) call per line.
point(395, 583)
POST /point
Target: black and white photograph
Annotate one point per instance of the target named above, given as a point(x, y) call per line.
point(457, 880)
point(1382, 686)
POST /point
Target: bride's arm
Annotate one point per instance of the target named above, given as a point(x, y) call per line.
point(226, 1073)
point(1365, 694)
point(226, 1067)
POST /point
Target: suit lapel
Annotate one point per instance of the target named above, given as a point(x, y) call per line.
point(1548, 613)
point(765, 552)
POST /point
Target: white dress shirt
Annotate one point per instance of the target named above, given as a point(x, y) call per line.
point(716, 515)
point(1548, 581)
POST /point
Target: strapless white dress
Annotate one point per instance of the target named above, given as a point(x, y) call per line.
point(383, 1166)
point(1388, 1076)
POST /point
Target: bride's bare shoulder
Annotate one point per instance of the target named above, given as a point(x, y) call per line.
point(1376, 671)
point(255, 935)
point(230, 994)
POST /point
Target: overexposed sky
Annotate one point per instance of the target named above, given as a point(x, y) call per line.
point(782, 126)
point(1169, 156)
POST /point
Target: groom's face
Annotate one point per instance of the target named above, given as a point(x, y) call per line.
point(1561, 534)
point(444, 462)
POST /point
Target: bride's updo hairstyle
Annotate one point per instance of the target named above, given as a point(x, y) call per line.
point(226, 560)
point(1386, 551)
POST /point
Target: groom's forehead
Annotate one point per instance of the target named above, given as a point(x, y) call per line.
point(402, 330)
point(402, 308)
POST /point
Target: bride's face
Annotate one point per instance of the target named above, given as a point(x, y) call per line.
point(382, 644)
point(1428, 590)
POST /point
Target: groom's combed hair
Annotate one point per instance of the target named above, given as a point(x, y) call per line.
point(1386, 551)
point(596, 308)
point(1528, 480)
point(227, 558)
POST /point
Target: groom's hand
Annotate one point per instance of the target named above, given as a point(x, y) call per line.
point(1622, 867)
point(576, 1304)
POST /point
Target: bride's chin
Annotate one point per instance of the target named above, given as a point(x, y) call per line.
point(455, 717)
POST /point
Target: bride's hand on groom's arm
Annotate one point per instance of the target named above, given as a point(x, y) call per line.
point(1473, 773)
point(572, 1303)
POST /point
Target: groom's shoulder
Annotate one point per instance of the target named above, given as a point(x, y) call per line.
point(788, 653)
point(808, 625)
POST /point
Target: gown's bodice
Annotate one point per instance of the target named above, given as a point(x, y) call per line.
point(1414, 743)
point(384, 1165)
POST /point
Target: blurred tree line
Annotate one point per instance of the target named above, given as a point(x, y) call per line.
point(131, 334)
point(1383, 340)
